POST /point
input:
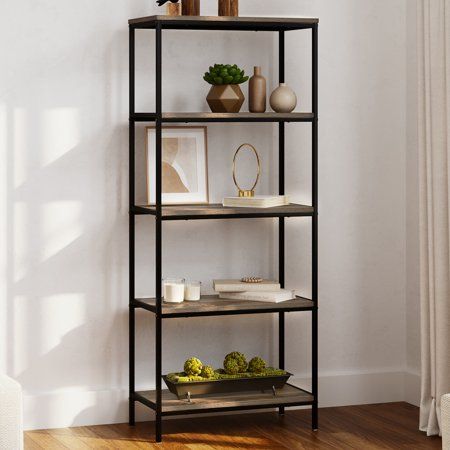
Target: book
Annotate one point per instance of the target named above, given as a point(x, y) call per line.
point(264, 296)
point(258, 201)
point(240, 286)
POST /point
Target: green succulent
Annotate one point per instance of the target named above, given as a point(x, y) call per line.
point(256, 365)
point(193, 366)
point(225, 74)
point(234, 363)
point(208, 372)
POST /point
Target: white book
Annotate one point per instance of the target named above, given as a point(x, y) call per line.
point(264, 296)
point(240, 286)
point(258, 201)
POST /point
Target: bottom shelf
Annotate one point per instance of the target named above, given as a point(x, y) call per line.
point(288, 396)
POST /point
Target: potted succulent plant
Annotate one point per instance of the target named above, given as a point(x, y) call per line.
point(225, 94)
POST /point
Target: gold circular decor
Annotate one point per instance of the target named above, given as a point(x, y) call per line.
point(252, 280)
point(244, 192)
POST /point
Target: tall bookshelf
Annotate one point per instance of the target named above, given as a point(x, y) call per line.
point(160, 400)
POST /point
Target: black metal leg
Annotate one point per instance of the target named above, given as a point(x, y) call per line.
point(315, 222)
point(131, 413)
point(131, 248)
point(281, 191)
point(158, 253)
point(281, 344)
point(315, 406)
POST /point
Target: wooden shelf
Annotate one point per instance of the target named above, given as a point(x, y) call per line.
point(288, 396)
point(188, 117)
point(224, 23)
point(212, 305)
point(218, 211)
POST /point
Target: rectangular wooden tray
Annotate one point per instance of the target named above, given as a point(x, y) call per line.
point(198, 388)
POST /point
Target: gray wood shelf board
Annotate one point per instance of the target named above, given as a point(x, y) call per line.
point(289, 395)
point(219, 210)
point(210, 304)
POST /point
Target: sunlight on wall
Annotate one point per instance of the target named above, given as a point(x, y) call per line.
point(20, 244)
point(61, 225)
point(19, 146)
point(54, 316)
point(60, 133)
point(3, 230)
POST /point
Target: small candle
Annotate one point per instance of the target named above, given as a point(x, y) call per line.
point(173, 290)
point(192, 291)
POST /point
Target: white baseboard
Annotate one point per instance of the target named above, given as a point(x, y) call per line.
point(80, 408)
point(358, 389)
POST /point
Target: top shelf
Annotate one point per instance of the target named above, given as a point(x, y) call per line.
point(223, 23)
point(224, 117)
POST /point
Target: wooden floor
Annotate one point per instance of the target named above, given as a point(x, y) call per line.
point(387, 426)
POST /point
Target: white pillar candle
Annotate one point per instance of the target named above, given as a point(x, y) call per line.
point(173, 291)
point(192, 291)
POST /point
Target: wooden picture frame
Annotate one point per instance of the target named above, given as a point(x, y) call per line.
point(184, 165)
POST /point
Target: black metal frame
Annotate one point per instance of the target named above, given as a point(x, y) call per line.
point(158, 23)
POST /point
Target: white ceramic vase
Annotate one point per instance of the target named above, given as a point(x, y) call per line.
point(283, 99)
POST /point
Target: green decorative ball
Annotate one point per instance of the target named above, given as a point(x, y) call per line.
point(235, 362)
point(256, 365)
point(207, 372)
point(193, 366)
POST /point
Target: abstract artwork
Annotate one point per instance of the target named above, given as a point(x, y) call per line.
point(184, 165)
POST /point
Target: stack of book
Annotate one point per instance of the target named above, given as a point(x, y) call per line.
point(258, 201)
point(265, 291)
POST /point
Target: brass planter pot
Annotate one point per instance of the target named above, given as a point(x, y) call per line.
point(173, 9)
point(226, 98)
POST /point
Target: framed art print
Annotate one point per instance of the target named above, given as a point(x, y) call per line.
point(184, 165)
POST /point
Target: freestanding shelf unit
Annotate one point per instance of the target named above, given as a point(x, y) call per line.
point(161, 401)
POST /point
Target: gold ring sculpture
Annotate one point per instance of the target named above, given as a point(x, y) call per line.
point(243, 192)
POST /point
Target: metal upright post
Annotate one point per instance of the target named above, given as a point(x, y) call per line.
point(281, 191)
point(315, 204)
point(158, 221)
point(131, 233)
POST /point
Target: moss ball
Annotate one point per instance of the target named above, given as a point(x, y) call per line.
point(256, 365)
point(193, 366)
point(207, 372)
point(235, 362)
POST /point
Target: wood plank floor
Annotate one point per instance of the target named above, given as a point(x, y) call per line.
point(386, 426)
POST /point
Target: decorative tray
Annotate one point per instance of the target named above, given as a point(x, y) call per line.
point(186, 390)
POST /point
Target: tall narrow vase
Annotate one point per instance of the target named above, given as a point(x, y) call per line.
point(229, 8)
point(257, 92)
point(190, 7)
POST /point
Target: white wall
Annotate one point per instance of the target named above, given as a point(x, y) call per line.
point(412, 385)
point(63, 217)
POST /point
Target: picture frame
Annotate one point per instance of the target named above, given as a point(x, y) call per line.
point(184, 165)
